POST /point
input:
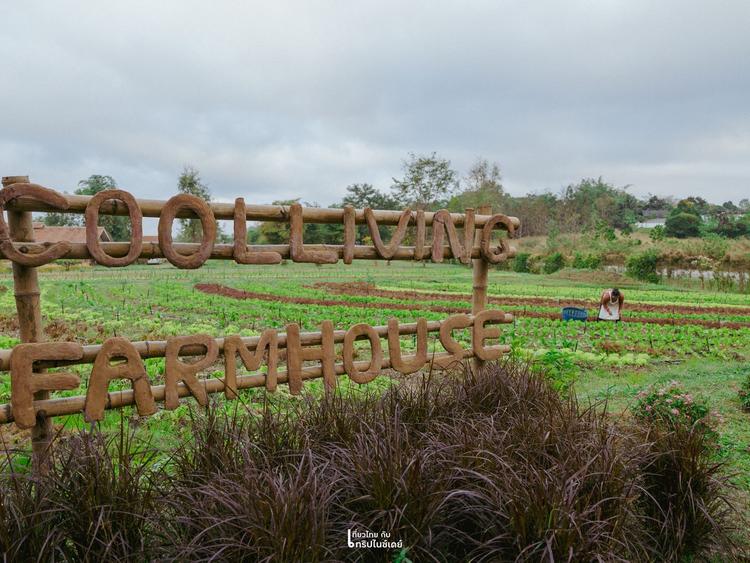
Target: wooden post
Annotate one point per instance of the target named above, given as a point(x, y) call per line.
point(479, 286)
point(26, 285)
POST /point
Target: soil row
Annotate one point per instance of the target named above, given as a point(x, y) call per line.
point(225, 291)
point(368, 289)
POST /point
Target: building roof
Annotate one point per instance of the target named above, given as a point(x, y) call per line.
point(46, 233)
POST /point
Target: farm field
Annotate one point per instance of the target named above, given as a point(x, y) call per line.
point(701, 339)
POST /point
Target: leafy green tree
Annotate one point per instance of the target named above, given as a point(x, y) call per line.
point(682, 225)
point(483, 186)
point(360, 196)
point(593, 200)
point(191, 230)
point(117, 226)
point(54, 219)
point(428, 181)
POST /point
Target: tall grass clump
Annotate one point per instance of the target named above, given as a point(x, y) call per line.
point(487, 466)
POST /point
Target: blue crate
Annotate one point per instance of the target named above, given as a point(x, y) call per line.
point(574, 314)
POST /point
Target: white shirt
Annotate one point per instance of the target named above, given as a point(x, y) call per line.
point(614, 310)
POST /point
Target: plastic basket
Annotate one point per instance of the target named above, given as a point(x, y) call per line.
point(574, 314)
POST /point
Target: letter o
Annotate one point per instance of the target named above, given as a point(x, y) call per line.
point(373, 370)
point(501, 253)
point(208, 222)
point(92, 234)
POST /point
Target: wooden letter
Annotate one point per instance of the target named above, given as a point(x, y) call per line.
point(481, 333)
point(24, 382)
point(421, 229)
point(443, 221)
point(394, 347)
point(449, 343)
point(296, 245)
point(177, 370)
point(45, 195)
point(234, 345)
point(350, 234)
point(384, 251)
point(296, 355)
point(502, 252)
point(103, 372)
point(173, 206)
point(240, 252)
point(376, 361)
point(92, 233)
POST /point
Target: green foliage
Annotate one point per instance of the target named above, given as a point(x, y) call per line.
point(553, 263)
point(521, 262)
point(657, 233)
point(682, 225)
point(482, 187)
point(558, 367)
point(190, 182)
point(670, 405)
point(428, 181)
point(744, 393)
point(715, 246)
point(118, 227)
point(587, 261)
point(643, 266)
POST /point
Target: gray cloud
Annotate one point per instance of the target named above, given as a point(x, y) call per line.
point(289, 99)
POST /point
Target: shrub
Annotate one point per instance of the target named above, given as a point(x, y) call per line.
point(672, 406)
point(587, 261)
point(657, 233)
point(553, 263)
point(682, 225)
point(643, 266)
point(744, 393)
point(475, 466)
point(685, 496)
point(521, 262)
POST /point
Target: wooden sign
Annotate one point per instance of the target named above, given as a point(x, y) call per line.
point(304, 355)
point(182, 379)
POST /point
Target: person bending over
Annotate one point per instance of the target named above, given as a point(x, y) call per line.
point(610, 306)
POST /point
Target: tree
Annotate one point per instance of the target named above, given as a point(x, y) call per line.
point(360, 196)
point(191, 230)
point(117, 226)
point(271, 232)
point(682, 225)
point(428, 181)
point(364, 195)
point(483, 187)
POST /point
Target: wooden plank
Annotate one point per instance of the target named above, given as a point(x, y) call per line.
point(225, 211)
point(117, 399)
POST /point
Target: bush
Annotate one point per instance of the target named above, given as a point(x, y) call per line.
point(553, 263)
point(682, 225)
point(673, 407)
point(521, 262)
point(744, 393)
point(494, 465)
point(643, 266)
point(657, 233)
point(587, 262)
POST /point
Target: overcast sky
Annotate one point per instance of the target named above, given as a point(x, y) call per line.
point(279, 100)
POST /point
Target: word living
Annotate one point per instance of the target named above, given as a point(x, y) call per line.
point(460, 247)
point(252, 352)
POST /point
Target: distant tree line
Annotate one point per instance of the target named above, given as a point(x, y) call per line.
point(429, 182)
